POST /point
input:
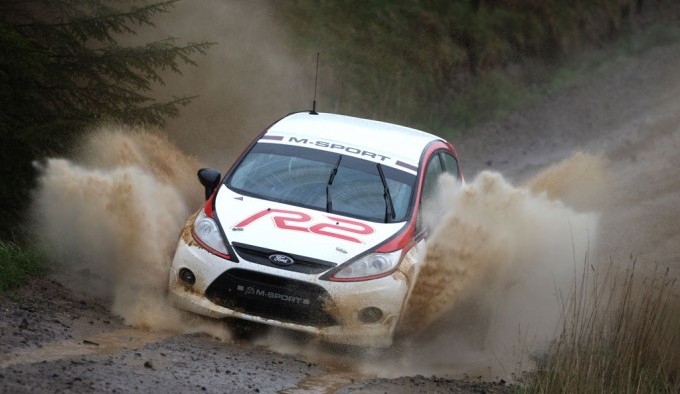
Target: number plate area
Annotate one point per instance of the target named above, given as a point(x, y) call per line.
point(272, 297)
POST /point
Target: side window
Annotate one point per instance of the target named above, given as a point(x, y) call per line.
point(432, 172)
point(450, 164)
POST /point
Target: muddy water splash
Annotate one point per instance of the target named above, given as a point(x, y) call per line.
point(497, 259)
point(492, 233)
point(113, 215)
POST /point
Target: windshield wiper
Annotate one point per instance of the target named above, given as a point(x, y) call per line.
point(389, 206)
point(334, 171)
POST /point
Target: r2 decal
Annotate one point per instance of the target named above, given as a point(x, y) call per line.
point(298, 221)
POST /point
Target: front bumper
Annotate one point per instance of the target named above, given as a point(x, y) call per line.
point(226, 289)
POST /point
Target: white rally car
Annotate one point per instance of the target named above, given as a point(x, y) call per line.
point(316, 228)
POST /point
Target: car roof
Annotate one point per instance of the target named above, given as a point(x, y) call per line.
point(385, 138)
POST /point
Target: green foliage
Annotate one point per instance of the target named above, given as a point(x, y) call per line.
point(17, 264)
point(417, 62)
point(61, 69)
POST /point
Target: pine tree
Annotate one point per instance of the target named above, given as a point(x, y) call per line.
point(62, 69)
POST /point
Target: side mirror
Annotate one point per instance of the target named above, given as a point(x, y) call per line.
point(210, 179)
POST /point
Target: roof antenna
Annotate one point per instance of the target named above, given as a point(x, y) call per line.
point(316, 78)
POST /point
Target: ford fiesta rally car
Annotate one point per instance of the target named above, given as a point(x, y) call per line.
point(316, 228)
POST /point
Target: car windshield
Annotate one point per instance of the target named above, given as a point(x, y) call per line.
point(300, 176)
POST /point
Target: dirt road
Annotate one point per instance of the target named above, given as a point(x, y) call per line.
point(54, 339)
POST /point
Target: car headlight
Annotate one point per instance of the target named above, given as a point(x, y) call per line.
point(371, 266)
point(207, 233)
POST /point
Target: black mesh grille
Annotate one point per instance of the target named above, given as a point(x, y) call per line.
point(272, 297)
point(302, 264)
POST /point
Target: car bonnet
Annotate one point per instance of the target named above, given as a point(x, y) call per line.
point(297, 230)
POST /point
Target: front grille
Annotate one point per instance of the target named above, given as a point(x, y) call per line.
point(272, 297)
point(305, 265)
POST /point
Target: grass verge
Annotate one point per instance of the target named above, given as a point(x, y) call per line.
point(19, 263)
point(620, 334)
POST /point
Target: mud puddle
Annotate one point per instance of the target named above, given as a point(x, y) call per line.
point(126, 338)
point(326, 383)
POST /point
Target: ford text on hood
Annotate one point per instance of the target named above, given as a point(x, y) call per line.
point(315, 228)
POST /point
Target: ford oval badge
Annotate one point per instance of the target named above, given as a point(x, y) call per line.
point(281, 259)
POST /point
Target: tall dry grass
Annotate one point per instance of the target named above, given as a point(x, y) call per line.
point(620, 334)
